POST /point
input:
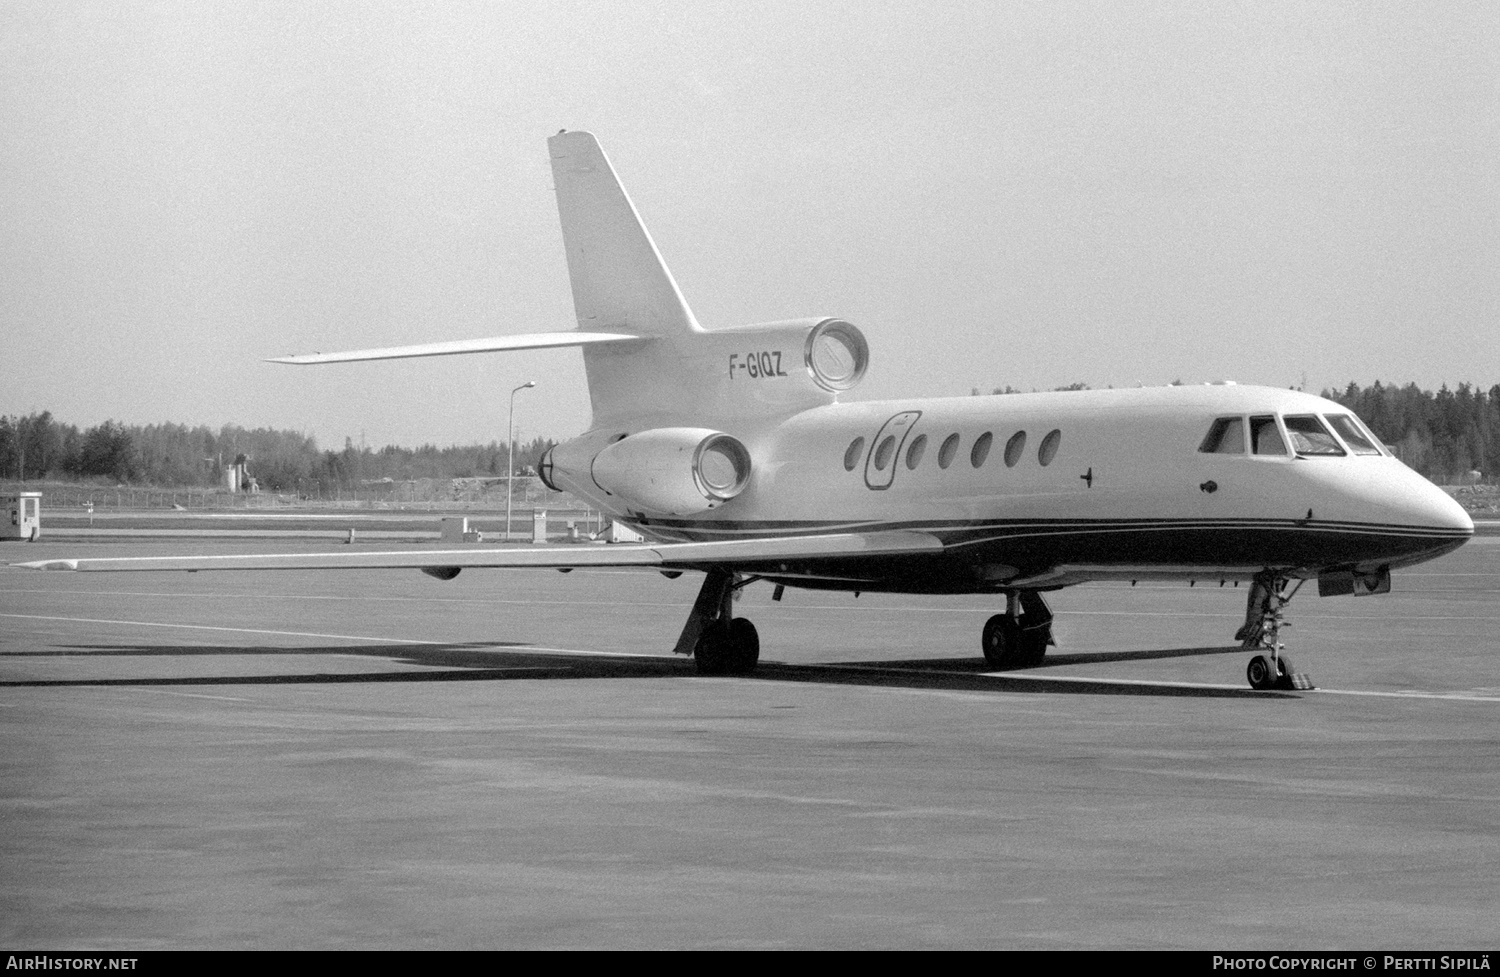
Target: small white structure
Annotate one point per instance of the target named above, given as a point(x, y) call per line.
point(23, 515)
point(455, 529)
point(618, 532)
point(539, 525)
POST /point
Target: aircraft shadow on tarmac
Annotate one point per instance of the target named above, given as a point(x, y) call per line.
point(501, 660)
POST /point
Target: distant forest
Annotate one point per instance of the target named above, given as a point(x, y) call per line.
point(38, 447)
point(1444, 435)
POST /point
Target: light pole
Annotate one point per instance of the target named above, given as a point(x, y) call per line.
point(510, 464)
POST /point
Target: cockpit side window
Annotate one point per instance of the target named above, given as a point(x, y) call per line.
point(1311, 438)
point(1265, 437)
point(1353, 434)
point(1226, 437)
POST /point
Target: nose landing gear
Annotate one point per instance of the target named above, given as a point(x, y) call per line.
point(1270, 592)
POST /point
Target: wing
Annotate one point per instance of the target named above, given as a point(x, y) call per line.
point(494, 344)
point(666, 556)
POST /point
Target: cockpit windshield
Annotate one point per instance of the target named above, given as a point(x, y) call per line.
point(1355, 436)
point(1311, 438)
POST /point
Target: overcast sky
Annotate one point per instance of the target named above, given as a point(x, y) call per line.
point(1029, 194)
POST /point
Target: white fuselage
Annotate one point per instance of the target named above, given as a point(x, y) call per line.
point(1125, 490)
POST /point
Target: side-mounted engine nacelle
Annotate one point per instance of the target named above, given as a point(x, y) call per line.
point(672, 471)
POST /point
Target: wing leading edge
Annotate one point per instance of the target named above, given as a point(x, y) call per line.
point(679, 556)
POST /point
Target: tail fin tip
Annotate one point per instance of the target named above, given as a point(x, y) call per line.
point(618, 277)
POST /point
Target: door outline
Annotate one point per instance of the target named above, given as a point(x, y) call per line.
point(898, 426)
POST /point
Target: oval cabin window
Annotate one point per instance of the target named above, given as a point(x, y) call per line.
point(915, 451)
point(883, 453)
point(851, 457)
point(947, 451)
point(1014, 447)
point(981, 449)
point(1048, 450)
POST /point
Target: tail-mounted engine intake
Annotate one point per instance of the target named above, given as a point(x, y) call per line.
point(836, 355)
point(673, 471)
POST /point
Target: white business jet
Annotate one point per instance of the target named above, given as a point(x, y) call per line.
point(730, 451)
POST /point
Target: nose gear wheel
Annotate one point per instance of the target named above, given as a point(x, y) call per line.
point(1265, 607)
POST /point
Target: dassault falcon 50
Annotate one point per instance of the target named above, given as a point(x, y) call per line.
point(731, 452)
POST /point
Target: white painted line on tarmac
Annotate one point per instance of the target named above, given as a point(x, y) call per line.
point(1403, 694)
point(344, 637)
point(1111, 681)
point(185, 695)
point(1417, 694)
point(587, 653)
point(211, 627)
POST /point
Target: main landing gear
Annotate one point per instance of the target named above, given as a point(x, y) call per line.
point(1270, 592)
point(1019, 637)
point(720, 643)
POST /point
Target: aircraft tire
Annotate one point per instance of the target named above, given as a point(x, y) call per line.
point(1033, 648)
point(1001, 642)
point(1284, 673)
point(1263, 674)
point(744, 646)
point(712, 654)
point(728, 648)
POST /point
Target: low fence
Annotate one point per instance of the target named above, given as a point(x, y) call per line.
point(402, 497)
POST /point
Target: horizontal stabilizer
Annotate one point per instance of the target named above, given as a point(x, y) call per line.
point(684, 556)
point(494, 344)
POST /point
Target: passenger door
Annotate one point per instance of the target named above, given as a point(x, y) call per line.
point(885, 450)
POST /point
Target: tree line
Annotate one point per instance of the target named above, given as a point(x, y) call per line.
point(38, 447)
point(1444, 435)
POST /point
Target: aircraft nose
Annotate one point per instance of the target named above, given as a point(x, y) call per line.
point(1432, 521)
point(1409, 518)
point(1411, 502)
point(1441, 511)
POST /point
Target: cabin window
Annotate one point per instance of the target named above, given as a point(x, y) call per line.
point(884, 451)
point(981, 449)
point(1265, 437)
point(914, 452)
point(1311, 438)
point(1014, 447)
point(851, 457)
point(947, 451)
point(1048, 450)
point(1359, 441)
point(1226, 437)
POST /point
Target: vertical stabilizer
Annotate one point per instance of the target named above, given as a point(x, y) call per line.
point(649, 363)
point(619, 279)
